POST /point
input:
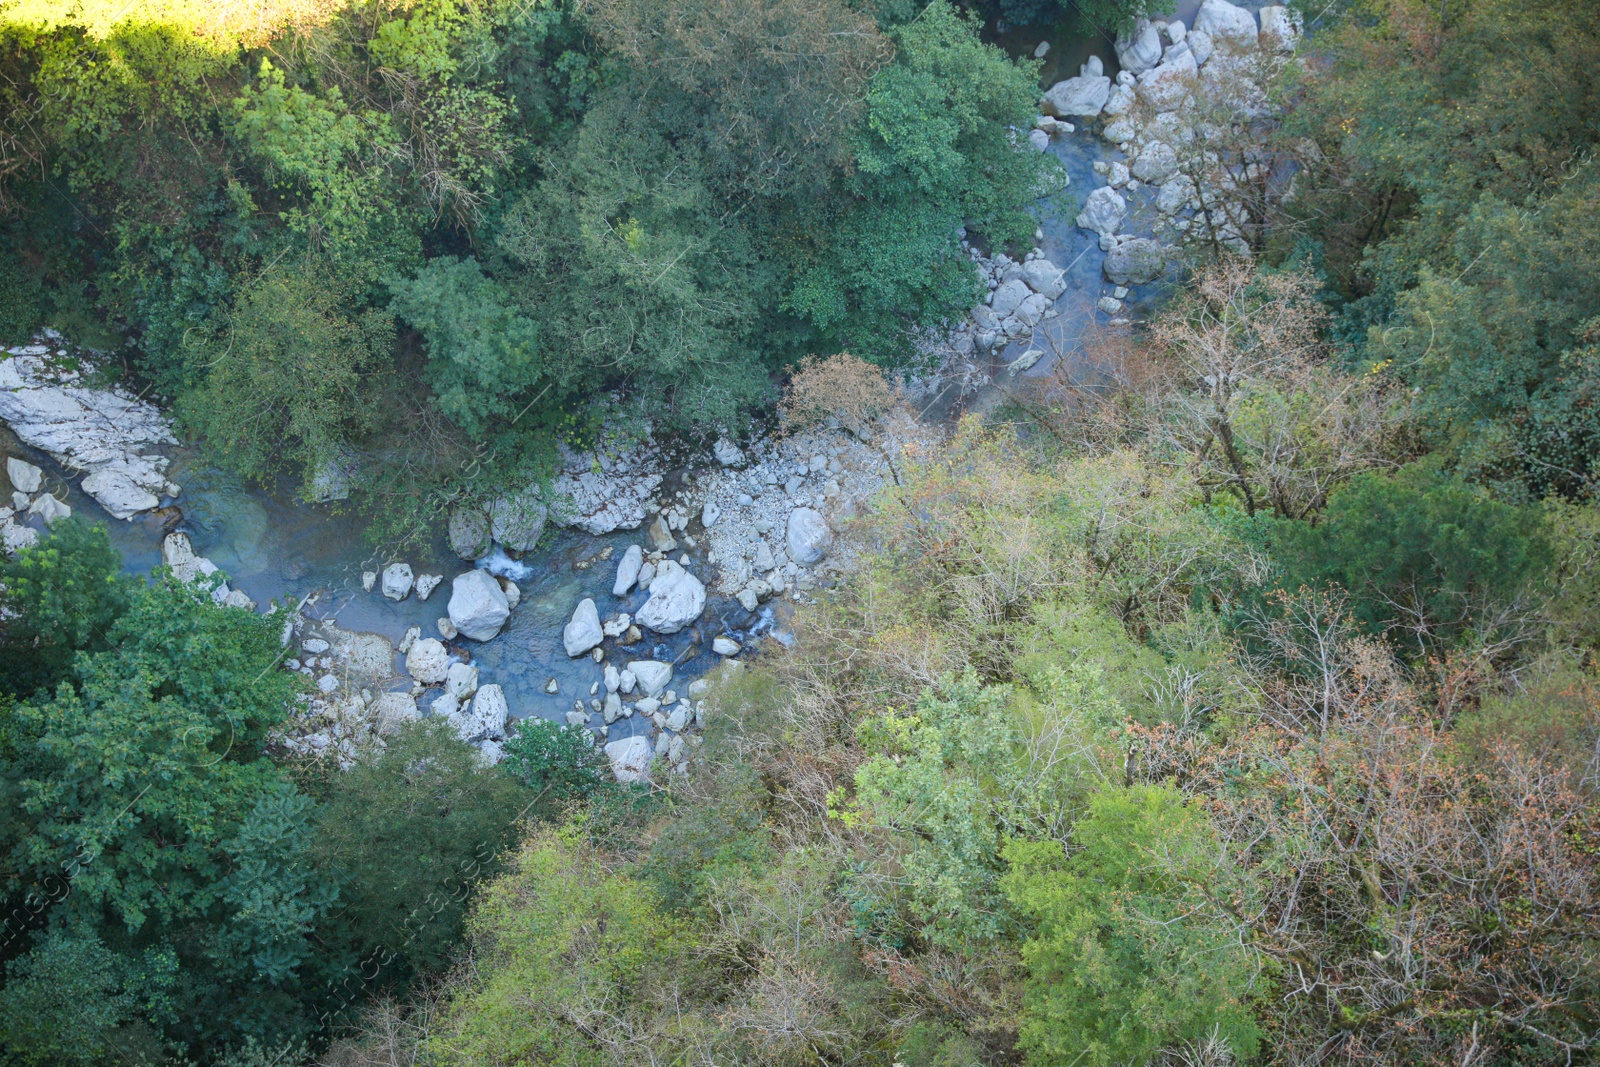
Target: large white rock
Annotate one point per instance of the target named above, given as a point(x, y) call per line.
point(397, 581)
point(1044, 278)
point(427, 661)
point(808, 536)
point(426, 584)
point(1222, 19)
point(630, 758)
point(478, 606)
point(650, 675)
point(1141, 50)
point(676, 599)
point(1103, 211)
point(15, 537)
point(25, 477)
point(84, 429)
point(583, 632)
point(517, 520)
point(179, 555)
point(1175, 194)
point(485, 718)
point(628, 570)
point(119, 494)
point(1084, 95)
point(1008, 296)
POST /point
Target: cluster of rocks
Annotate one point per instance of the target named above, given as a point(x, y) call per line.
point(28, 500)
point(103, 432)
point(480, 603)
point(1179, 109)
point(188, 567)
point(641, 687)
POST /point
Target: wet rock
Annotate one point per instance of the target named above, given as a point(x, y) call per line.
point(426, 584)
point(1008, 296)
point(427, 661)
point(628, 570)
point(725, 646)
point(1044, 278)
point(397, 581)
point(469, 532)
point(583, 632)
point(446, 628)
point(1038, 140)
point(1139, 51)
point(513, 592)
point(1103, 211)
point(478, 606)
point(660, 534)
point(748, 599)
point(808, 536)
point(368, 580)
point(677, 598)
point(1026, 361)
point(14, 538)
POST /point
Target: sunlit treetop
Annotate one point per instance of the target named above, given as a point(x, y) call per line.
point(225, 22)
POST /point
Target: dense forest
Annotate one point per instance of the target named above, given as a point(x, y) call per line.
point(1226, 695)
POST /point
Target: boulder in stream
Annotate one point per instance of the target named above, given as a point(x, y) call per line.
point(427, 661)
point(583, 632)
point(628, 570)
point(25, 477)
point(676, 599)
point(469, 531)
point(630, 758)
point(397, 581)
point(478, 606)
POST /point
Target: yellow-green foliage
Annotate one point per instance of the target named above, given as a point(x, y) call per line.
point(557, 944)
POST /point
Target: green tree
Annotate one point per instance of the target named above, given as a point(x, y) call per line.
point(557, 763)
point(1423, 557)
point(291, 376)
point(408, 832)
point(1132, 953)
point(63, 1002)
point(484, 354)
point(58, 597)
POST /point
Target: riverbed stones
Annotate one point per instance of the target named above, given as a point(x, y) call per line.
point(630, 758)
point(427, 661)
point(1044, 278)
point(583, 632)
point(677, 598)
point(512, 590)
point(426, 584)
point(119, 494)
point(651, 676)
point(727, 453)
point(397, 581)
point(179, 555)
point(1008, 296)
point(469, 532)
point(628, 570)
point(446, 628)
point(14, 537)
point(725, 646)
point(478, 606)
point(808, 536)
point(25, 477)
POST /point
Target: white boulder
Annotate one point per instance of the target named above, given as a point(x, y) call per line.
point(677, 598)
point(485, 719)
point(1218, 18)
point(397, 581)
point(1084, 95)
point(630, 758)
point(650, 675)
point(427, 661)
point(478, 606)
point(1141, 50)
point(808, 536)
point(25, 477)
point(1044, 278)
point(469, 532)
point(517, 520)
point(628, 570)
point(583, 632)
point(1103, 211)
